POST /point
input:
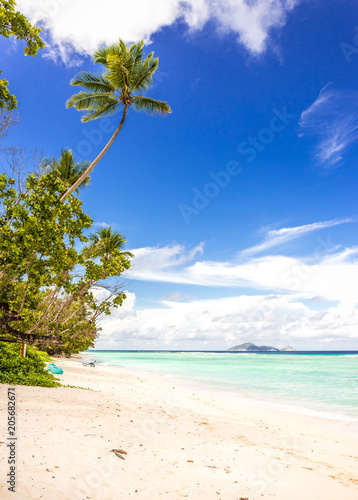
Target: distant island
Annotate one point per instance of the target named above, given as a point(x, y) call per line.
point(250, 347)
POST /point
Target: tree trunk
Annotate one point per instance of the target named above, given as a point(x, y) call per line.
point(99, 157)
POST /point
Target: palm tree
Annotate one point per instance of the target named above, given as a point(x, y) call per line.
point(67, 169)
point(104, 242)
point(127, 74)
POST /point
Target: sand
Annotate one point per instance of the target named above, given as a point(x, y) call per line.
point(181, 442)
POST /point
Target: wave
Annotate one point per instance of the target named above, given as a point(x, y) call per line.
point(245, 353)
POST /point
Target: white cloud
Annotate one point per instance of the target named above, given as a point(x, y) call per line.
point(79, 26)
point(224, 322)
point(333, 120)
point(298, 301)
point(281, 236)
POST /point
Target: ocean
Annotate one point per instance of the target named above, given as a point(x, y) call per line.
point(318, 383)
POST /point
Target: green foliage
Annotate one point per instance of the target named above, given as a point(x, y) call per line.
point(47, 286)
point(13, 23)
point(44, 356)
point(127, 74)
point(7, 101)
point(24, 371)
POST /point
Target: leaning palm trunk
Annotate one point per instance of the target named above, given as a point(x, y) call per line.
point(99, 157)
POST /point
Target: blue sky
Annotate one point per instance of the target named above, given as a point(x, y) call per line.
point(241, 205)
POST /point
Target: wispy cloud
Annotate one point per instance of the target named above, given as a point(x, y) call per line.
point(333, 120)
point(103, 224)
point(281, 236)
point(157, 259)
point(176, 297)
point(328, 272)
point(80, 26)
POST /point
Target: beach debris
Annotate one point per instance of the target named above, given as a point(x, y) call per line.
point(120, 453)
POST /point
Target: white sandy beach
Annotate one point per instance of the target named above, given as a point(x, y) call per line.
point(180, 443)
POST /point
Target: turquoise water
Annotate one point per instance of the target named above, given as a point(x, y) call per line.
point(316, 383)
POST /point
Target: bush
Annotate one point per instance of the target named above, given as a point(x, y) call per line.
point(15, 370)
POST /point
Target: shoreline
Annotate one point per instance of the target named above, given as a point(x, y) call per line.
point(222, 391)
point(180, 443)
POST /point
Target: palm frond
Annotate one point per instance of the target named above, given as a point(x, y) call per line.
point(143, 77)
point(136, 51)
point(118, 70)
point(105, 108)
point(86, 100)
point(128, 254)
point(105, 242)
point(151, 106)
point(66, 168)
point(100, 56)
point(93, 82)
point(123, 50)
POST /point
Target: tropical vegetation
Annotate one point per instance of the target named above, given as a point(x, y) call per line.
point(52, 292)
point(55, 281)
point(24, 371)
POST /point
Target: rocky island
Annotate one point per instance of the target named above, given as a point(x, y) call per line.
point(250, 347)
